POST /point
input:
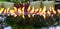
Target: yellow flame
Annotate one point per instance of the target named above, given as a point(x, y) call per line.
point(12, 12)
point(15, 8)
point(8, 10)
point(44, 12)
point(58, 11)
point(39, 12)
point(44, 16)
point(23, 16)
point(50, 8)
point(32, 15)
point(1, 10)
point(29, 15)
point(53, 10)
point(5, 11)
point(44, 9)
point(36, 10)
point(28, 9)
point(49, 13)
point(15, 15)
point(52, 15)
point(23, 13)
point(19, 11)
point(32, 11)
point(23, 10)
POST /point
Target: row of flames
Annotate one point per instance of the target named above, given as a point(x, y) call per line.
point(33, 11)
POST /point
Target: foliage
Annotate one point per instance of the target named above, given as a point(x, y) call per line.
point(19, 1)
point(36, 21)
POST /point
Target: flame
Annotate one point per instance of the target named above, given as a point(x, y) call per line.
point(23, 10)
point(12, 12)
point(40, 10)
point(23, 13)
point(30, 11)
point(49, 13)
point(15, 9)
point(50, 8)
point(8, 9)
point(15, 15)
point(32, 15)
point(1, 10)
point(36, 10)
point(19, 11)
point(53, 10)
point(58, 11)
point(5, 11)
point(44, 16)
point(29, 15)
point(52, 15)
point(44, 12)
point(44, 9)
point(23, 16)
